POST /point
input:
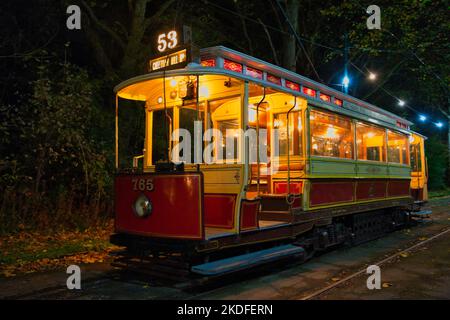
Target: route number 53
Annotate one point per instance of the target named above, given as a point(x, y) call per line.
point(167, 41)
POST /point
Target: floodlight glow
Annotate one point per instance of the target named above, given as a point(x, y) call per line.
point(346, 81)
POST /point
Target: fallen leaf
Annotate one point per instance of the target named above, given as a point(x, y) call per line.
point(404, 254)
point(423, 238)
point(335, 279)
point(386, 285)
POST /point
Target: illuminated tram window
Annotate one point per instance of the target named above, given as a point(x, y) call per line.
point(397, 150)
point(371, 142)
point(232, 66)
point(295, 132)
point(331, 135)
point(310, 92)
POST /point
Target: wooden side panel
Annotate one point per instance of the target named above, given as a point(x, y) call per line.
point(219, 210)
point(249, 214)
point(329, 193)
point(368, 190)
point(397, 188)
point(280, 187)
point(176, 200)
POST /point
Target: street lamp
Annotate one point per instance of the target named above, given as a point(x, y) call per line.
point(401, 103)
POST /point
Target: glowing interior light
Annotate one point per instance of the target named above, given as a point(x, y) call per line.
point(411, 139)
point(338, 102)
point(204, 92)
point(331, 132)
point(277, 123)
point(251, 115)
point(370, 134)
point(159, 100)
point(401, 103)
point(315, 146)
point(173, 83)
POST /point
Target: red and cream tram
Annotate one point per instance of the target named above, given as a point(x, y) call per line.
point(336, 168)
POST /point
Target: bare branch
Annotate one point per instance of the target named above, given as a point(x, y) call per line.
point(102, 26)
point(164, 7)
point(274, 52)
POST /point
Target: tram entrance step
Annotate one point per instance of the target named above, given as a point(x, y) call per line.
point(421, 214)
point(249, 260)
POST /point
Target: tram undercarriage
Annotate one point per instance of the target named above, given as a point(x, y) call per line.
point(297, 241)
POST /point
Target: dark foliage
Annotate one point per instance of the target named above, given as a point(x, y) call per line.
point(57, 105)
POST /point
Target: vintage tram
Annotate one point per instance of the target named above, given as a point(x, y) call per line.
point(344, 170)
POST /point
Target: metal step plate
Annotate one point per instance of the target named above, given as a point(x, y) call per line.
point(246, 261)
point(422, 214)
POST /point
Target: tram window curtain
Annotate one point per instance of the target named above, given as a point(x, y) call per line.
point(331, 135)
point(371, 142)
point(397, 150)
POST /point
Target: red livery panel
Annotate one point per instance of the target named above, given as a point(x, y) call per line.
point(176, 201)
point(249, 214)
point(281, 187)
point(397, 188)
point(324, 193)
point(368, 190)
point(219, 210)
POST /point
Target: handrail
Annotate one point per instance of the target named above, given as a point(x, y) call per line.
point(136, 160)
point(257, 140)
point(288, 153)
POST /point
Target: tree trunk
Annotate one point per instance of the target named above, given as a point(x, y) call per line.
point(289, 42)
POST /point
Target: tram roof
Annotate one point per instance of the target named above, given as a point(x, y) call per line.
point(220, 60)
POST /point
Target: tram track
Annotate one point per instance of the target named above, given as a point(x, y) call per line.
point(321, 291)
point(97, 287)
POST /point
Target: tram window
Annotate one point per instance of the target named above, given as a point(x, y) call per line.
point(331, 135)
point(397, 150)
point(371, 141)
point(416, 158)
point(230, 131)
point(159, 138)
point(295, 131)
point(188, 116)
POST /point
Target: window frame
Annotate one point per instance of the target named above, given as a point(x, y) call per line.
point(384, 144)
point(308, 148)
point(408, 164)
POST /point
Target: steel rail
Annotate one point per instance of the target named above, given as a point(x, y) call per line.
point(363, 271)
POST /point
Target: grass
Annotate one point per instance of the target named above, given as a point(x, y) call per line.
point(439, 193)
point(30, 251)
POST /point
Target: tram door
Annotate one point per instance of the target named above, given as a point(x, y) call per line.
point(419, 169)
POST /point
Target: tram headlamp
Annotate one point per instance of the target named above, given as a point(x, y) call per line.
point(142, 206)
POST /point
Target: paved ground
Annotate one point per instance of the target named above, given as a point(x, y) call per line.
point(423, 274)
